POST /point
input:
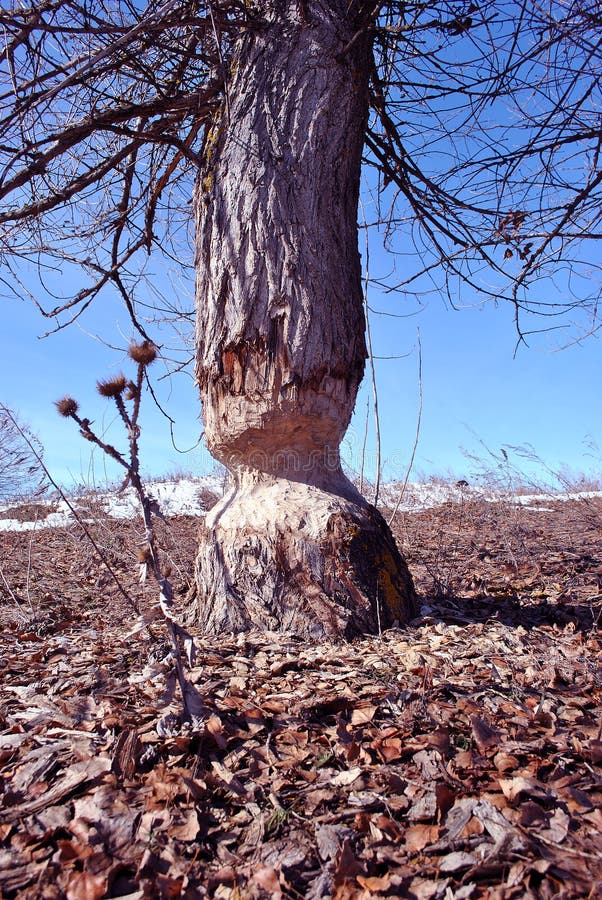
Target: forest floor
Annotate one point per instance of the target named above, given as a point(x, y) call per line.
point(460, 757)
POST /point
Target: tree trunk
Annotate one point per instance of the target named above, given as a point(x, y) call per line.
point(280, 338)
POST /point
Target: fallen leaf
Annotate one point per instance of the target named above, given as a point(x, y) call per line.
point(363, 713)
point(267, 878)
point(374, 884)
point(84, 886)
point(347, 865)
point(329, 839)
point(484, 734)
point(595, 749)
point(348, 776)
point(457, 860)
point(514, 788)
point(417, 837)
point(187, 829)
point(558, 827)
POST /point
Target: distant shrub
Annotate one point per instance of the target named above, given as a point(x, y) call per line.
point(207, 497)
point(21, 471)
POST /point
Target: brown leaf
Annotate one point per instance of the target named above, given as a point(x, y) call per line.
point(84, 886)
point(267, 878)
point(446, 797)
point(187, 828)
point(363, 713)
point(346, 777)
point(456, 861)
point(595, 748)
point(346, 866)
point(329, 839)
point(417, 837)
point(514, 788)
point(485, 735)
point(374, 884)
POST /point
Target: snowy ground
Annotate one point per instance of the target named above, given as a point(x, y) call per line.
point(189, 497)
point(185, 497)
point(416, 496)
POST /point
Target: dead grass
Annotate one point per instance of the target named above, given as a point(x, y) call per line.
point(546, 559)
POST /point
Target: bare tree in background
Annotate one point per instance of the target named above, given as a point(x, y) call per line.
point(21, 473)
point(482, 126)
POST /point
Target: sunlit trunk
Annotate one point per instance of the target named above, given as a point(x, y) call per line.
point(280, 339)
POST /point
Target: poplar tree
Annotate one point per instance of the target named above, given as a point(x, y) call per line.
point(241, 129)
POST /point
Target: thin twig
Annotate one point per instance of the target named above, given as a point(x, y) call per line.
point(416, 436)
point(365, 441)
point(373, 373)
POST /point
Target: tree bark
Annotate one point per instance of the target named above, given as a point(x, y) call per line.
point(280, 338)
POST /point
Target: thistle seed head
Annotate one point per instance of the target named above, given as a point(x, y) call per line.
point(144, 354)
point(131, 391)
point(67, 407)
point(112, 387)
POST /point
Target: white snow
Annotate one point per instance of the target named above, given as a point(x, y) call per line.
point(184, 497)
point(418, 496)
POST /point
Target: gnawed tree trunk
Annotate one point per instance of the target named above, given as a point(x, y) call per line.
point(280, 339)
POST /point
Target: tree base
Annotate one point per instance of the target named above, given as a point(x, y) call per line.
point(281, 555)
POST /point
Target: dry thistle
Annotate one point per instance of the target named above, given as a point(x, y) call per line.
point(112, 387)
point(67, 407)
point(131, 391)
point(143, 354)
point(144, 555)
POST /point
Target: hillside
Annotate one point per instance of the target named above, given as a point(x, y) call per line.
point(460, 757)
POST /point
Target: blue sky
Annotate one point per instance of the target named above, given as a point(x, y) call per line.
point(477, 395)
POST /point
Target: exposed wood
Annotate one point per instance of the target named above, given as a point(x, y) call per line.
point(279, 554)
